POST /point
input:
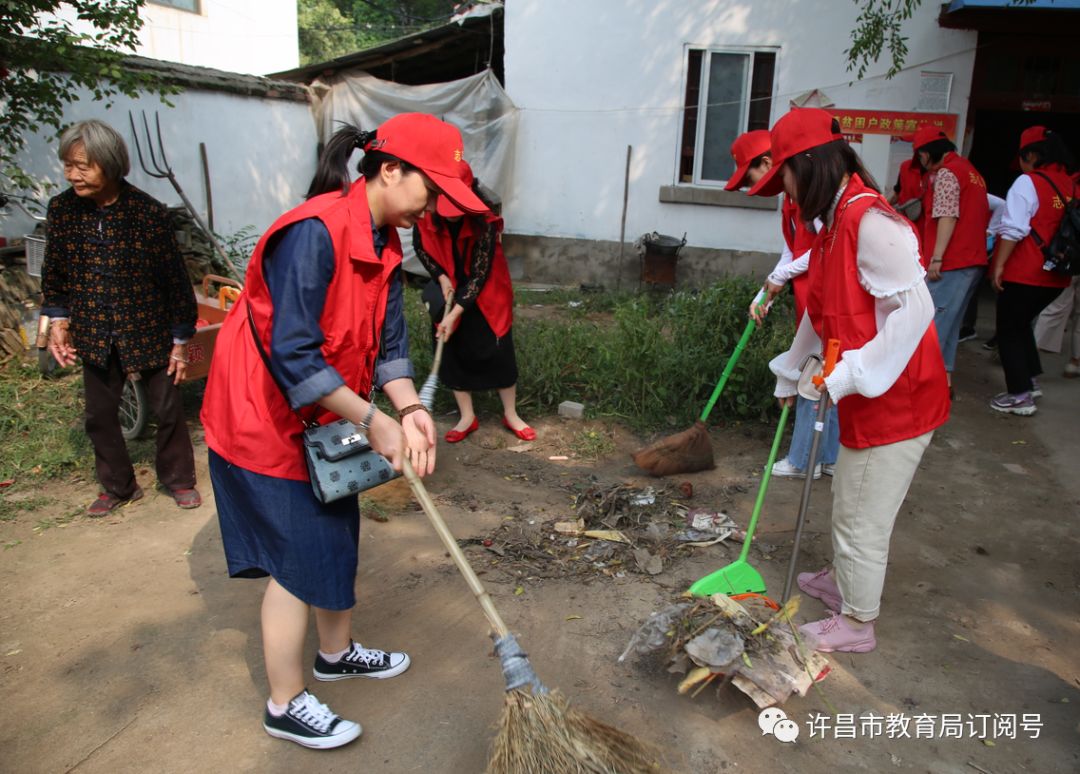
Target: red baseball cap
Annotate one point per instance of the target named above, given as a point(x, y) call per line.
point(798, 130)
point(432, 146)
point(445, 206)
point(927, 134)
point(747, 147)
point(1032, 135)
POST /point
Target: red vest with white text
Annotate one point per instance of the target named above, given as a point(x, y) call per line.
point(967, 246)
point(840, 308)
point(1025, 264)
point(246, 417)
point(496, 300)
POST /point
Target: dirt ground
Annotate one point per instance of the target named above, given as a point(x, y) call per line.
point(125, 648)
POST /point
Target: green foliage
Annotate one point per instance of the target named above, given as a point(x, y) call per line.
point(652, 361)
point(324, 33)
point(333, 28)
point(45, 61)
point(879, 26)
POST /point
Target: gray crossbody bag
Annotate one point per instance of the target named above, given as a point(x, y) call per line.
point(340, 461)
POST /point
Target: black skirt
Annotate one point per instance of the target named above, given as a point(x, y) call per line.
point(475, 359)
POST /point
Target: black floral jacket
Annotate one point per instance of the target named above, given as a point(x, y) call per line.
point(117, 274)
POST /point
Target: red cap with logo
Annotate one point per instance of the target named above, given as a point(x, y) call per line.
point(432, 146)
point(1032, 135)
point(798, 130)
point(447, 208)
point(927, 134)
point(747, 147)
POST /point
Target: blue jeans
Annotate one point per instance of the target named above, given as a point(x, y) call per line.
point(951, 295)
point(803, 435)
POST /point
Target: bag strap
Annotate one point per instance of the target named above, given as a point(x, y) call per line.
point(1060, 195)
point(266, 360)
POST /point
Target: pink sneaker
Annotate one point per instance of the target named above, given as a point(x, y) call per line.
point(835, 633)
point(821, 585)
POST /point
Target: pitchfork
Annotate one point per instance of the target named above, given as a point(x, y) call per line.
point(162, 170)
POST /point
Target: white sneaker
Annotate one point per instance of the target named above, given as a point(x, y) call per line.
point(828, 469)
point(1072, 370)
point(310, 723)
point(785, 469)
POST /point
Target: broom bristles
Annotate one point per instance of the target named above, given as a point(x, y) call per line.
point(685, 452)
point(542, 734)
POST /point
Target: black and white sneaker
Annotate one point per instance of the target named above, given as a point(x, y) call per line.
point(311, 723)
point(361, 662)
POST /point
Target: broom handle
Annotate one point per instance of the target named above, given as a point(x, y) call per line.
point(728, 369)
point(451, 545)
point(764, 483)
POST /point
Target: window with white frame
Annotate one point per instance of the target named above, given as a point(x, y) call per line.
point(728, 92)
point(183, 5)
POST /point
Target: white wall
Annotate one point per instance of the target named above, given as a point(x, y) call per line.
point(592, 77)
point(241, 36)
point(261, 153)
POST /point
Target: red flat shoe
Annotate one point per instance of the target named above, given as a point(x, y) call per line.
point(457, 436)
point(526, 433)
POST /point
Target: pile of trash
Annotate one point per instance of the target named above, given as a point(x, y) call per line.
point(747, 640)
point(619, 529)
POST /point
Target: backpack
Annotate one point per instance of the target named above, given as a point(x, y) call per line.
point(1062, 252)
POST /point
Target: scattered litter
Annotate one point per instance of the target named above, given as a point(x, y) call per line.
point(647, 562)
point(607, 534)
point(5, 484)
point(1012, 467)
point(558, 457)
point(519, 591)
point(647, 497)
point(518, 448)
point(574, 618)
point(686, 489)
point(575, 304)
point(744, 642)
point(570, 527)
point(961, 638)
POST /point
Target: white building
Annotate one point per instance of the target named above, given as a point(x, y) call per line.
point(241, 36)
point(591, 78)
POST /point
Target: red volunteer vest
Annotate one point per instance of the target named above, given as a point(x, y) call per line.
point(496, 300)
point(841, 309)
point(1025, 264)
point(799, 240)
point(246, 417)
point(967, 246)
point(911, 179)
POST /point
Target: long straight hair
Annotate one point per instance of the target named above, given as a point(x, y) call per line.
point(818, 173)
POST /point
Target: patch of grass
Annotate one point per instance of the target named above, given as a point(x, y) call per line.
point(653, 367)
point(10, 509)
point(593, 444)
point(41, 425)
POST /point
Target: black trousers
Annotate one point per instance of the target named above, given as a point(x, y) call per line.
point(1017, 307)
point(175, 459)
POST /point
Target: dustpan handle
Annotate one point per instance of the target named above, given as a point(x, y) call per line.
point(450, 543)
point(728, 369)
point(764, 483)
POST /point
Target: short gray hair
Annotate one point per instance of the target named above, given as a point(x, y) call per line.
point(104, 146)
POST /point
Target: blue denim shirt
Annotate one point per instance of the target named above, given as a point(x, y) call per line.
point(298, 269)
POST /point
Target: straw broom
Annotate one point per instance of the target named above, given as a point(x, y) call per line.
point(539, 733)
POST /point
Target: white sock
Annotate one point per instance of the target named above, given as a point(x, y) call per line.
point(333, 658)
point(277, 710)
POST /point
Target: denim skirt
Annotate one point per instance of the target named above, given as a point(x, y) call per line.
point(276, 527)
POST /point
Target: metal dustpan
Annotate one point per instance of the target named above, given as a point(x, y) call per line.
point(740, 577)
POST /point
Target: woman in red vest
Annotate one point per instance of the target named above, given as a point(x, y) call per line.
point(752, 160)
point(956, 213)
point(323, 293)
point(465, 255)
point(1034, 208)
point(867, 291)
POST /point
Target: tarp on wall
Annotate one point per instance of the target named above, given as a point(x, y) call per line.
point(476, 105)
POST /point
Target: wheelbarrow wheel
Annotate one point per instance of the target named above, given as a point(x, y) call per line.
point(134, 409)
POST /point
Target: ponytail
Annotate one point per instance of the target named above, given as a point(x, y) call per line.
point(332, 172)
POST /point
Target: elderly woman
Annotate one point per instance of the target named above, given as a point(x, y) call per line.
point(118, 296)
